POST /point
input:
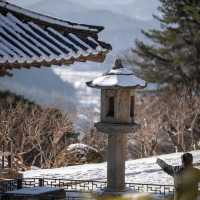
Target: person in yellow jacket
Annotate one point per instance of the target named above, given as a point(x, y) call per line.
point(186, 177)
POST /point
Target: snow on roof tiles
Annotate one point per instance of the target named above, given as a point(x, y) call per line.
point(118, 77)
point(30, 39)
point(48, 19)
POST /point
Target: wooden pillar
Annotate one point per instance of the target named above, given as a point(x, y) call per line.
point(3, 157)
point(19, 183)
point(117, 148)
point(10, 156)
point(41, 182)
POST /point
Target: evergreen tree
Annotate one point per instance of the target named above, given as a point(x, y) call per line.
point(173, 55)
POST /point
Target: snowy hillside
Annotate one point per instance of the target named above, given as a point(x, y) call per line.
point(137, 171)
point(64, 87)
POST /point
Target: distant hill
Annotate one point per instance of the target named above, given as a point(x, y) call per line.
point(8, 99)
point(61, 9)
point(140, 9)
point(120, 29)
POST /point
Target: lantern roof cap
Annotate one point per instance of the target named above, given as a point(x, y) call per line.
point(118, 77)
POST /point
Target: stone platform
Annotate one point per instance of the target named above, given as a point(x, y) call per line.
point(36, 193)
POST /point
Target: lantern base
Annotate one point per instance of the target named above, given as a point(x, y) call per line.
point(116, 128)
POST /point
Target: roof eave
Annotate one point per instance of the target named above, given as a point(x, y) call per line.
point(43, 19)
point(4, 67)
point(90, 84)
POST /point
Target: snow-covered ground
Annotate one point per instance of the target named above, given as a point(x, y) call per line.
point(137, 171)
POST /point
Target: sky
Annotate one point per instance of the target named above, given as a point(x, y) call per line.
point(141, 9)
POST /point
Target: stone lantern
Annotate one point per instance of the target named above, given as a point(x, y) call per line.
point(117, 119)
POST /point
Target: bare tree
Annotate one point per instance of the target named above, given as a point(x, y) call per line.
point(33, 130)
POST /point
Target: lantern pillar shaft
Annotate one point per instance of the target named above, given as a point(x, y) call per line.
point(117, 148)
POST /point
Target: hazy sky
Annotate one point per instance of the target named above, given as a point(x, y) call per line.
point(142, 9)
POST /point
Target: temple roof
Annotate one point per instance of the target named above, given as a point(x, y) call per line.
point(29, 39)
point(118, 77)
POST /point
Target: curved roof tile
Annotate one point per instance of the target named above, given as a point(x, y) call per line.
point(30, 39)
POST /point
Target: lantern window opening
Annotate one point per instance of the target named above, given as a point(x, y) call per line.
point(132, 103)
point(111, 107)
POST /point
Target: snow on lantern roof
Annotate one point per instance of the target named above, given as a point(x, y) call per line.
point(29, 39)
point(117, 77)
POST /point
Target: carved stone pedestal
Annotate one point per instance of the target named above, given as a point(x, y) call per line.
point(116, 155)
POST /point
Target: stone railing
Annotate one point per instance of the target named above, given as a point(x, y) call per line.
point(86, 186)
